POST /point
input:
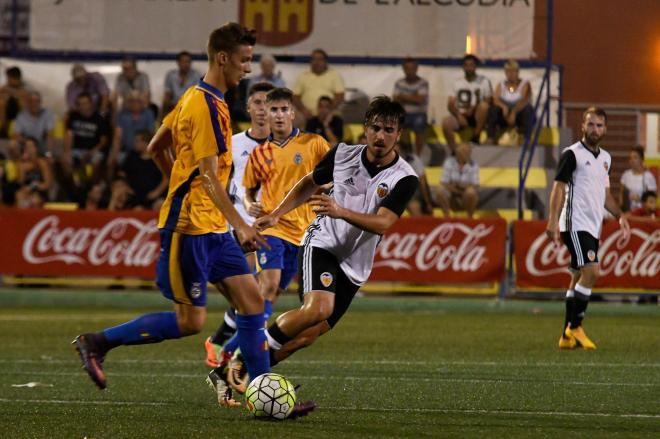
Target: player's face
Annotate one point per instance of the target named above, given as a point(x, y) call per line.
point(256, 107)
point(593, 129)
point(236, 65)
point(280, 117)
point(382, 137)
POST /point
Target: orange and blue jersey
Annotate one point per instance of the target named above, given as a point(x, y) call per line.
point(276, 168)
point(200, 127)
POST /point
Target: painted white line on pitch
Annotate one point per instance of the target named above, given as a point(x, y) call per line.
point(358, 362)
point(365, 378)
point(80, 401)
point(492, 412)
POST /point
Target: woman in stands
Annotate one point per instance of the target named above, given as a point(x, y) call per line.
point(34, 176)
point(635, 181)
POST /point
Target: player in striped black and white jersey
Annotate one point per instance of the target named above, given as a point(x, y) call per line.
point(582, 187)
point(371, 187)
point(242, 145)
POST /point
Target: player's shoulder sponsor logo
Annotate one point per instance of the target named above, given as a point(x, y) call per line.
point(326, 279)
point(274, 20)
point(382, 190)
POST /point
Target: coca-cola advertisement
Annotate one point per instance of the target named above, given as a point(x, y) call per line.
point(430, 250)
point(61, 243)
point(625, 262)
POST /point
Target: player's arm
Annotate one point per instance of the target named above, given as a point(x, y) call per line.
point(300, 193)
point(565, 169)
point(613, 207)
point(252, 206)
point(388, 213)
point(160, 149)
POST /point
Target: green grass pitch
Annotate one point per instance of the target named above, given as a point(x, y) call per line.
point(394, 367)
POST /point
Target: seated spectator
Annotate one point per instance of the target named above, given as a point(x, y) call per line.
point(16, 87)
point(421, 203)
point(131, 81)
point(92, 84)
point(511, 108)
point(35, 177)
point(468, 103)
point(635, 181)
point(121, 196)
point(86, 139)
point(8, 111)
point(135, 117)
point(141, 173)
point(178, 80)
point(649, 211)
point(319, 81)
point(97, 197)
point(460, 182)
point(36, 122)
point(326, 124)
point(267, 64)
point(413, 93)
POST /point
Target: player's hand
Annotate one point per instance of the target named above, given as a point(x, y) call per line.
point(255, 209)
point(266, 222)
point(552, 231)
point(325, 205)
point(625, 226)
point(250, 239)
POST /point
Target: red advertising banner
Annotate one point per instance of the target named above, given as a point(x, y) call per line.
point(429, 250)
point(85, 243)
point(632, 263)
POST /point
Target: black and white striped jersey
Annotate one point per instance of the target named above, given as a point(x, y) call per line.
point(587, 175)
point(360, 187)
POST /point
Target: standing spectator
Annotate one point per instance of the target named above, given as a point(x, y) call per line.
point(86, 140)
point(649, 211)
point(413, 93)
point(319, 81)
point(267, 64)
point(131, 80)
point(177, 81)
point(421, 203)
point(91, 83)
point(34, 176)
point(460, 182)
point(511, 108)
point(36, 122)
point(468, 104)
point(135, 117)
point(325, 124)
point(635, 181)
point(141, 173)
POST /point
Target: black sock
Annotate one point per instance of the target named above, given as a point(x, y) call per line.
point(225, 331)
point(276, 334)
point(570, 307)
point(579, 309)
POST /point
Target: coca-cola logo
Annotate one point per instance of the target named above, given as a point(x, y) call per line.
point(636, 255)
point(448, 246)
point(121, 241)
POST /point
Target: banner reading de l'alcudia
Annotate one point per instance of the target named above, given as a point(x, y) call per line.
point(627, 263)
point(390, 28)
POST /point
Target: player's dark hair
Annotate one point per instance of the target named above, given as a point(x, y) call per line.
point(13, 72)
point(182, 54)
point(385, 109)
point(648, 194)
point(325, 98)
point(228, 37)
point(262, 86)
point(472, 57)
point(639, 150)
point(597, 111)
point(280, 94)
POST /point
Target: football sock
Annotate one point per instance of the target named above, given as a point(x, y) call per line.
point(276, 338)
point(231, 345)
point(570, 305)
point(148, 328)
point(252, 341)
point(582, 295)
point(227, 329)
point(268, 309)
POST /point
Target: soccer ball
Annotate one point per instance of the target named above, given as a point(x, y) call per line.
point(270, 396)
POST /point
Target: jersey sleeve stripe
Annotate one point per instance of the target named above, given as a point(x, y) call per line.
point(217, 130)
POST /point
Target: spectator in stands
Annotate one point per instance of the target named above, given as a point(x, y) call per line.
point(413, 93)
point(131, 80)
point(35, 176)
point(267, 64)
point(36, 122)
point(141, 173)
point(460, 182)
point(635, 181)
point(96, 198)
point(178, 80)
point(511, 108)
point(319, 81)
point(325, 123)
point(135, 117)
point(468, 103)
point(422, 202)
point(86, 140)
point(121, 196)
point(649, 211)
point(9, 108)
point(16, 87)
point(92, 84)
